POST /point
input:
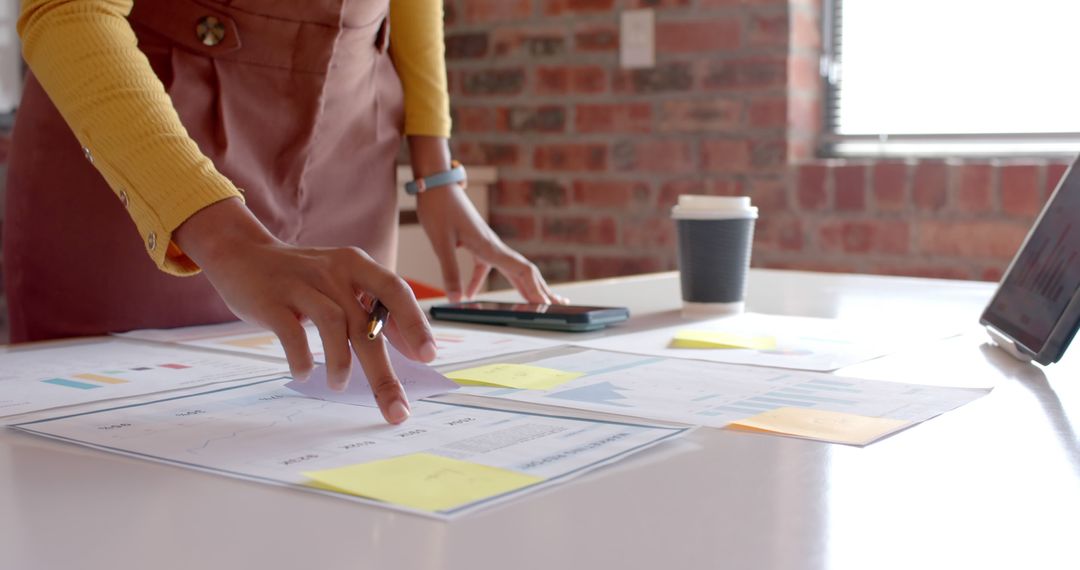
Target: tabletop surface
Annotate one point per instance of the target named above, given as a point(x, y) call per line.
point(994, 484)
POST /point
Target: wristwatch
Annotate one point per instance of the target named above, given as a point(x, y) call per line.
point(456, 174)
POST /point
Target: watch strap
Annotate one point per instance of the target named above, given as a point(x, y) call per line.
point(456, 174)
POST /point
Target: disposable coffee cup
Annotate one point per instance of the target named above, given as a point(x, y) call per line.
point(716, 235)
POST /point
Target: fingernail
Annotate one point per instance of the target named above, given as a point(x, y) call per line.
point(338, 384)
point(428, 352)
point(398, 412)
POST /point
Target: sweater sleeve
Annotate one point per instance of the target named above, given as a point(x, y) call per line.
point(85, 55)
point(416, 40)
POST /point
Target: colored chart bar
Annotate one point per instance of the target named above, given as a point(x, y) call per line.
point(71, 383)
point(100, 378)
point(174, 366)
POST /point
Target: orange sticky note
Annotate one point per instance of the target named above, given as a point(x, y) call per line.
point(836, 427)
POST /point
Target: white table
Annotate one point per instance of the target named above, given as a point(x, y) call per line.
point(995, 484)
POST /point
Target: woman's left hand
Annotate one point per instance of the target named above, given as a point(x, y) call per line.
point(451, 221)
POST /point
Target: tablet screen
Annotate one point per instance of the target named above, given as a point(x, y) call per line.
point(1045, 274)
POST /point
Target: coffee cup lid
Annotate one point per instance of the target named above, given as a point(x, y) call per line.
point(696, 207)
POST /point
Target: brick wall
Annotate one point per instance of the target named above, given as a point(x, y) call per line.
point(591, 156)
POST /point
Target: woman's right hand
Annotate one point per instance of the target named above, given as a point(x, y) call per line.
point(275, 285)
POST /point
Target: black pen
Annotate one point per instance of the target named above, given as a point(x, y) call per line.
point(379, 314)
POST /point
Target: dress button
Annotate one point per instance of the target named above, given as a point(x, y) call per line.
point(89, 155)
point(124, 198)
point(210, 31)
point(151, 241)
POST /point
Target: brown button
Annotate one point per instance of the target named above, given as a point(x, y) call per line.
point(151, 241)
point(89, 155)
point(210, 31)
point(124, 198)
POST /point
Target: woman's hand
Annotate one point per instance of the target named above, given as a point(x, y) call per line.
point(450, 221)
point(275, 285)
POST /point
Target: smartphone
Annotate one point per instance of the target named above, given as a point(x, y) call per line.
point(573, 318)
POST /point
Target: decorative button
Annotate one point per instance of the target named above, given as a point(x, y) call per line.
point(151, 241)
point(124, 198)
point(89, 155)
point(210, 31)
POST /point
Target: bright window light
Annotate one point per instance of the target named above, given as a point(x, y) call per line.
point(936, 67)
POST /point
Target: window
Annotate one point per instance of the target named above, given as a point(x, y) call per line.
point(952, 77)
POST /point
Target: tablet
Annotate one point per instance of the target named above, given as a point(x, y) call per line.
point(573, 318)
point(1036, 309)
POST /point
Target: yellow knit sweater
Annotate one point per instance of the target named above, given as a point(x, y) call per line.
point(84, 53)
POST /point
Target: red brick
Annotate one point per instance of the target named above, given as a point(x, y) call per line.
point(653, 155)
point(613, 118)
point(803, 72)
point(492, 10)
point(570, 157)
point(558, 7)
point(768, 113)
point(551, 80)
point(804, 113)
point(610, 193)
point(704, 115)
point(542, 119)
point(511, 42)
point(664, 78)
point(810, 190)
point(672, 189)
point(509, 81)
point(653, 232)
point(931, 188)
point(513, 227)
point(890, 186)
point(879, 236)
point(755, 72)
point(1054, 172)
point(1020, 191)
point(581, 230)
point(805, 30)
point(973, 188)
point(475, 120)
point(779, 233)
point(487, 153)
point(981, 239)
point(725, 155)
point(659, 4)
point(718, 34)
point(529, 193)
point(597, 39)
point(596, 267)
point(769, 194)
point(588, 79)
point(555, 268)
point(849, 188)
point(768, 29)
point(726, 187)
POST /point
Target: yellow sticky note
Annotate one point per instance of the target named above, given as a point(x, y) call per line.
point(836, 427)
point(422, 481)
point(521, 376)
point(717, 339)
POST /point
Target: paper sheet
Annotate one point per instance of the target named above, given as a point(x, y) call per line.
point(419, 381)
point(453, 344)
point(513, 376)
point(802, 343)
point(267, 433)
point(51, 376)
point(713, 394)
point(422, 481)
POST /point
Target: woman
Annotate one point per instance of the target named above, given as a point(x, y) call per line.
point(252, 139)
